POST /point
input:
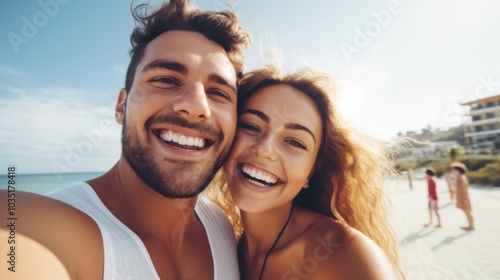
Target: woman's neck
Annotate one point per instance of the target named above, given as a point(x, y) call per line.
point(262, 229)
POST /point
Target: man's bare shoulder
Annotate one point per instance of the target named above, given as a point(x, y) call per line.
point(51, 237)
point(341, 252)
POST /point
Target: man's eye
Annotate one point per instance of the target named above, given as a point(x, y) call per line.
point(218, 93)
point(166, 80)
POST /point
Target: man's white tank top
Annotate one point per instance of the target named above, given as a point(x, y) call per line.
point(126, 257)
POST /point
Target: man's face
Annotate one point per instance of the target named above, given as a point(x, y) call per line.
point(179, 117)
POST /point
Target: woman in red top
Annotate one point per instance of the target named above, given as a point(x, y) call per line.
point(433, 199)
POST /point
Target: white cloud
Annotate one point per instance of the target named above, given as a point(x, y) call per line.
point(374, 102)
point(431, 59)
point(11, 71)
point(47, 125)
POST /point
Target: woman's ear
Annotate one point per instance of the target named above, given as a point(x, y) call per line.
point(313, 169)
point(120, 106)
point(306, 184)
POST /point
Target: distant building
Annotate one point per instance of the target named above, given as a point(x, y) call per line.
point(483, 130)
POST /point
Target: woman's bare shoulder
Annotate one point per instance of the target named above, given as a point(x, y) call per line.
point(337, 251)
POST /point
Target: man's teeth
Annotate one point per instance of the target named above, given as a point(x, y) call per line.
point(259, 175)
point(170, 136)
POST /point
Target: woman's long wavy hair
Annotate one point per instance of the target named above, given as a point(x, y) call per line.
point(349, 171)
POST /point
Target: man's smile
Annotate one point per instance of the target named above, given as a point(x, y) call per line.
point(188, 141)
point(182, 140)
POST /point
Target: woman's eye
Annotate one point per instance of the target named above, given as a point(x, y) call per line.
point(297, 144)
point(248, 127)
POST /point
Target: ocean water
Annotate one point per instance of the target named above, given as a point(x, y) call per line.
point(43, 183)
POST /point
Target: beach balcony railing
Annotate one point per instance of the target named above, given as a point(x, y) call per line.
point(484, 121)
point(491, 132)
point(474, 111)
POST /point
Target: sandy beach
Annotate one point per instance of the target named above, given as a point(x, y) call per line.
point(447, 252)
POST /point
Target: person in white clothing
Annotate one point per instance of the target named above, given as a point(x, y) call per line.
point(451, 181)
point(142, 219)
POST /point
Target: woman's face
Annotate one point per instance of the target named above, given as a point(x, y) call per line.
point(278, 137)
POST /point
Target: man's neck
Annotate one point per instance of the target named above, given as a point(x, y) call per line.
point(168, 228)
point(140, 207)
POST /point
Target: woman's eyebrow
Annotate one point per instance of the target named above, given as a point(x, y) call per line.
point(297, 126)
point(258, 113)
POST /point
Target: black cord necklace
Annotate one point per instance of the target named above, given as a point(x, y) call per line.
point(241, 256)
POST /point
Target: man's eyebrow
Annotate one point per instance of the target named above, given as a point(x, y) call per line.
point(266, 118)
point(220, 80)
point(165, 64)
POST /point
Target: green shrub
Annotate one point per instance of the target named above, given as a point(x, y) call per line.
point(482, 170)
point(440, 166)
point(454, 152)
point(487, 175)
point(474, 163)
point(403, 166)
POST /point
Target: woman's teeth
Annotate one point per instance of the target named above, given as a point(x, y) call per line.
point(258, 177)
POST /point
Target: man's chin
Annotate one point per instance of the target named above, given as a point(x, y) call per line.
point(173, 178)
point(182, 190)
point(171, 195)
point(181, 181)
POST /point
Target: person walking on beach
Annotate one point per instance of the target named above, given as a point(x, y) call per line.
point(410, 178)
point(142, 219)
point(450, 179)
point(433, 198)
point(459, 169)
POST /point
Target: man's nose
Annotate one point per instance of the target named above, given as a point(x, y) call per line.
point(193, 104)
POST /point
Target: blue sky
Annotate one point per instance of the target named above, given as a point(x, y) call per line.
point(400, 65)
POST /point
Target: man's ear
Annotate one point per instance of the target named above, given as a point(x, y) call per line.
point(121, 103)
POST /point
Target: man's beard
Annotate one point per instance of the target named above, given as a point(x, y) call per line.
point(186, 179)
